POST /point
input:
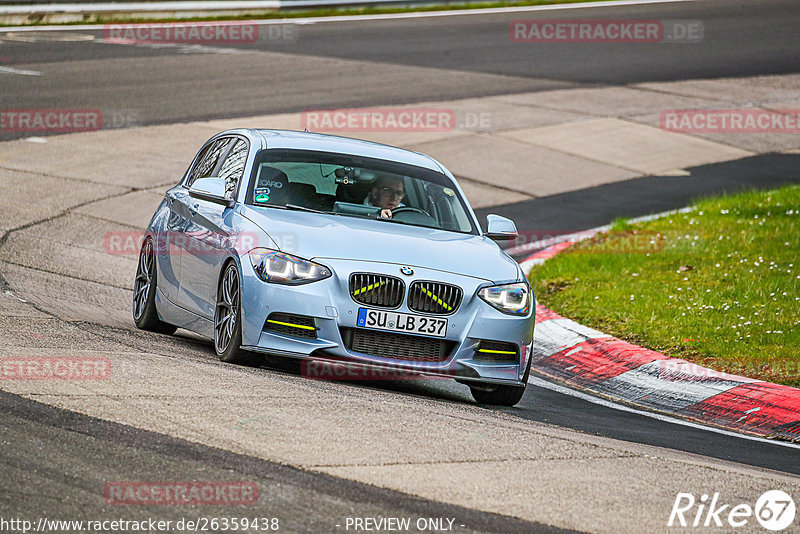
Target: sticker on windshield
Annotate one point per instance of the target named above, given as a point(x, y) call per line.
point(449, 192)
point(261, 194)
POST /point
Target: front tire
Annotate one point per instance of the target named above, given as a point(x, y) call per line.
point(502, 395)
point(499, 396)
point(145, 315)
point(228, 321)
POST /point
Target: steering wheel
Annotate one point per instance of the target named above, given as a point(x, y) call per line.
point(412, 215)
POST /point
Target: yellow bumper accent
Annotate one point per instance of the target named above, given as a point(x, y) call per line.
point(497, 351)
point(368, 288)
point(304, 327)
point(436, 299)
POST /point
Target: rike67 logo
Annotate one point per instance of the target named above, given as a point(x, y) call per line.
point(774, 510)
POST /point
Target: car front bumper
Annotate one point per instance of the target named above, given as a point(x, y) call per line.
point(333, 310)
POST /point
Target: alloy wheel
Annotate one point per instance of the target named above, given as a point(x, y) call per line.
point(227, 310)
point(144, 279)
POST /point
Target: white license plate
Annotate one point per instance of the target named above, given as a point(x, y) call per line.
point(402, 322)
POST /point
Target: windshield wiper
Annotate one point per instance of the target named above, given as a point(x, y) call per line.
point(302, 208)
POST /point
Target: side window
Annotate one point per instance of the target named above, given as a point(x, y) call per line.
point(233, 167)
point(207, 161)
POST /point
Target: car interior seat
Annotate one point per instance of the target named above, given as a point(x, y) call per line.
point(353, 193)
point(276, 183)
point(303, 195)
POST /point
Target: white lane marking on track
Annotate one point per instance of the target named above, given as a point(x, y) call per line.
point(21, 72)
point(530, 264)
point(577, 236)
point(490, 11)
point(389, 16)
point(555, 335)
point(539, 382)
point(180, 47)
point(590, 398)
point(33, 37)
point(9, 292)
point(647, 385)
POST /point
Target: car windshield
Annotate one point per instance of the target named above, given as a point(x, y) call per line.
point(357, 187)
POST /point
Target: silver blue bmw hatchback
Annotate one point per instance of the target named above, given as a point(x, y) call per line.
point(336, 250)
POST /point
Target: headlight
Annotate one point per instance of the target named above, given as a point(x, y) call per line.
point(281, 268)
point(513, 299)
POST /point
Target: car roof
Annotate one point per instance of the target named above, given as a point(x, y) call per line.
point(290, 139)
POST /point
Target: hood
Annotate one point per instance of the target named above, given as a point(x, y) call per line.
point(318, 236)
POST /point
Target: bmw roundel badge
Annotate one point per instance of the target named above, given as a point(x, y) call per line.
point(408, 271)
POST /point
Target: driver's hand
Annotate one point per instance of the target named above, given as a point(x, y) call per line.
point(386, 214)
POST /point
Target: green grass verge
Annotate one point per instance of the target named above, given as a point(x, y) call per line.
point(327, 12)
point(717, 286)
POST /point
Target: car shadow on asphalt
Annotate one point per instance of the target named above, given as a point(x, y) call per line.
point(444, 389)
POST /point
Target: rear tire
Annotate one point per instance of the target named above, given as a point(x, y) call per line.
point(228, 321)
point(145, 315)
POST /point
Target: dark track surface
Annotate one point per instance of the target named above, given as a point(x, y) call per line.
point(481, 44)
point(301, 500)
point(595, 206)
point(472, 57)
point(547, 406)
point(391, 62)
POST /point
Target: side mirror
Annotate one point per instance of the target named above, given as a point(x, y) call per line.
point(212, 190)
point(500, 229)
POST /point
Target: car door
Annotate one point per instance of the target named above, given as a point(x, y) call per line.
point(168, 262)
point(210, 231)
point(182, 206)
point(170, 244)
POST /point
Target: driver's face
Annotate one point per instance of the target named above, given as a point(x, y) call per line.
point(389, 194)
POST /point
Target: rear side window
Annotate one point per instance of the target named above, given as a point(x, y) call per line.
point(233, 167)
point(208, 160)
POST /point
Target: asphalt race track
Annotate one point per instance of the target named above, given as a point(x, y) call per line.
point(186, 416)
point(70, 436)
point(390, 62)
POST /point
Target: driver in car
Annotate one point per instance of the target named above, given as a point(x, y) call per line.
point(386, 194)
